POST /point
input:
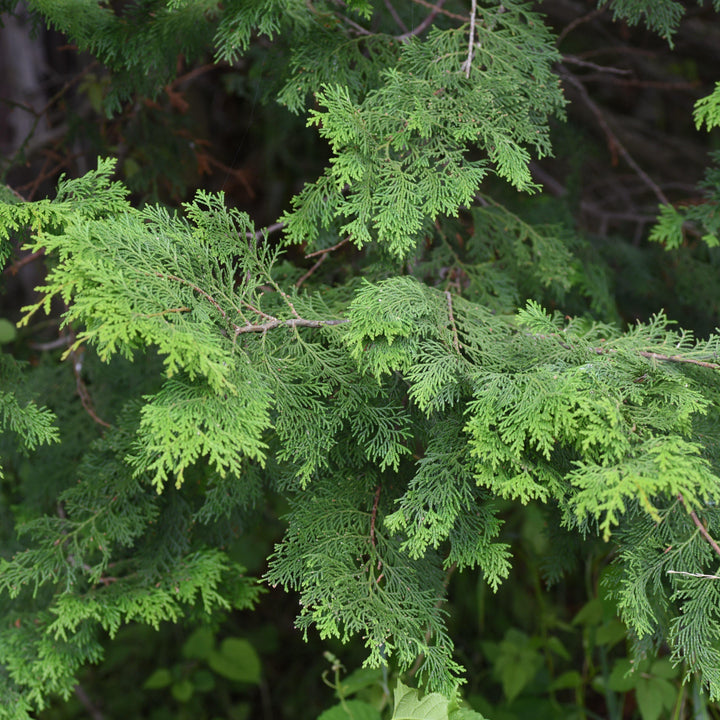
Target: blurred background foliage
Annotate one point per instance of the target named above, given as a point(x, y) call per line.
point(543, 646)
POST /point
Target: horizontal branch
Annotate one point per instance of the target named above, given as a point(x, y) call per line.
point(291, 323)
point(679, 359)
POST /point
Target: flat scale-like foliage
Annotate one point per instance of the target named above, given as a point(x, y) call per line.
point(396, 412)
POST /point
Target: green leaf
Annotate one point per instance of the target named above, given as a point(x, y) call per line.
point(8, 331)
point(236, 660)
point(653, 696)
point(183, 690)
point(569, 679)
point(200, 644)
point(350, 710)
point(359, 679)
point(160, 678)
point(409, 706)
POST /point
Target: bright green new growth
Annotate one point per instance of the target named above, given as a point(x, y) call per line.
point(391, 412)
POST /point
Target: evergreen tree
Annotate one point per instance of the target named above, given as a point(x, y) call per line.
point(396, 366)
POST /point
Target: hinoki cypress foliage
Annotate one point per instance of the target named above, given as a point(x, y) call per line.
point(392, 391)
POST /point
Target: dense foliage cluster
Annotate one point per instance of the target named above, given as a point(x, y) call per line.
point(393, 373)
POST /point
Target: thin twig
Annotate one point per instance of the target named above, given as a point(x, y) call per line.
point(62, 341)
point(468, 62)
point(197, 289)
point(679, 359)
point(391, 9)
point(355, 26)
point(456, 343)
point(573, 60)
point(82, 391)
point(578, 21)
point(701, 527)
point(447, 13)
point(262, 234)
point(311, 270)
point(87, 703)
point(328, 250)
point(612, 138)
point(424, 24)
point(13, 269)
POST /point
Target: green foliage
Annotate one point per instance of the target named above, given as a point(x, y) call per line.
point(395, 403)
point(662, 16)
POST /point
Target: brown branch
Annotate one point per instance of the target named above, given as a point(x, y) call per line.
point(82, 391)
point(262, 234)
point(701, 527)
point(311, 270)
point(573, 60)
point(394, 13)
point(578, 21)
point(327, 250)
point(88, 704)
point(197, 289)
point(24, 261)
point(613, 140)
point(424, 24)
point(456, 343)
point(678, 359)
point(447, 13)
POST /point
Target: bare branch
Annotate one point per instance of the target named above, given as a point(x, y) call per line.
point(468, 62)
point(424, 24)
point(328, 250)
point(395, 16)
point(613, 140)
point(311, 270)
point(291, 323)
point(447, 13)
point(261, 234)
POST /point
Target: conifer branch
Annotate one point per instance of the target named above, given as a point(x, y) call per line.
point(373, 517)
point(701, 527)
point(468, 62)
point(291, 323)
point(456, 343)
point(197, 289)
point(428, 633)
